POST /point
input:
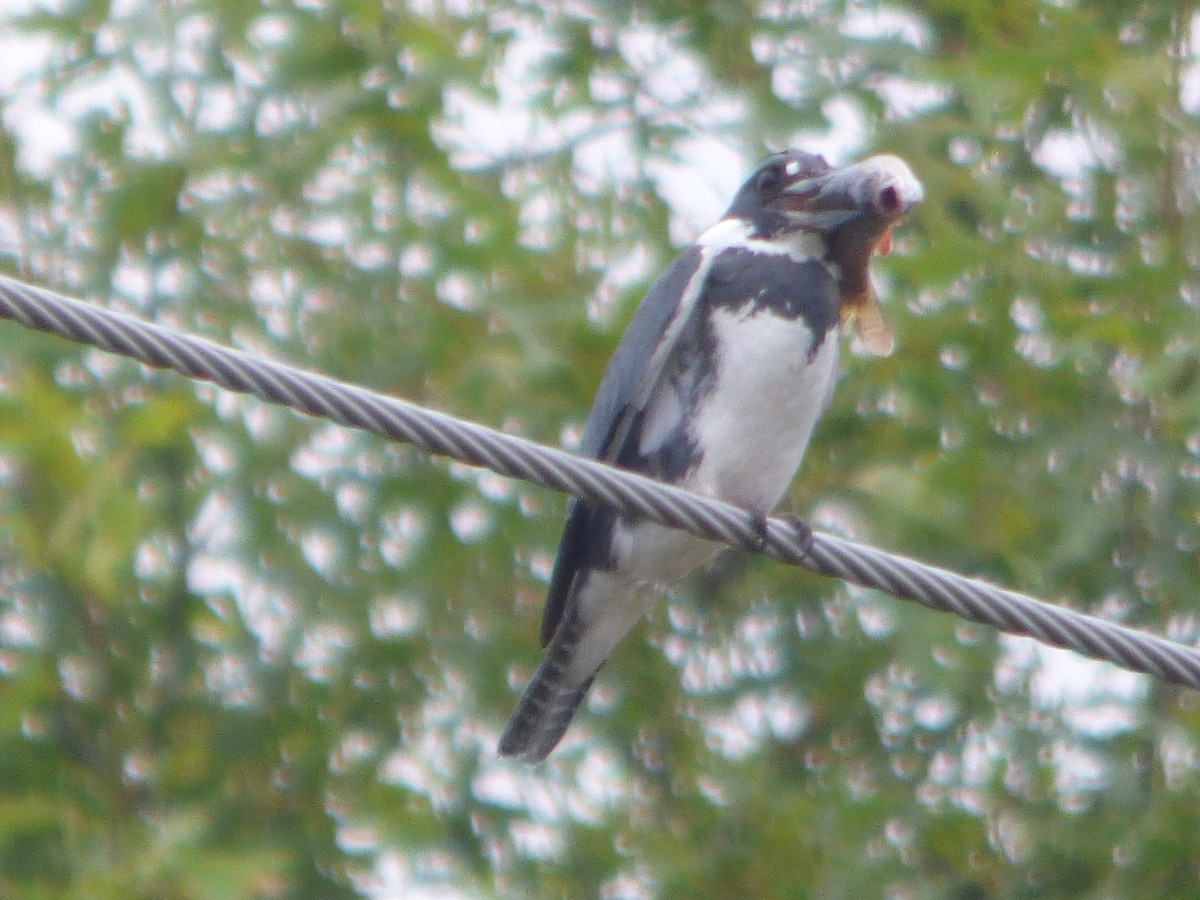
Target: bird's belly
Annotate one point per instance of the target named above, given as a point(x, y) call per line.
point(755, 423)
point(751, 430)
point(656, 554)
point(647, 557)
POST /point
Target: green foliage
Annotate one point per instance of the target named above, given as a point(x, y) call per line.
point(244, 653)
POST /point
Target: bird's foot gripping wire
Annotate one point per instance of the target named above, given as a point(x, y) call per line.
point(804, 532)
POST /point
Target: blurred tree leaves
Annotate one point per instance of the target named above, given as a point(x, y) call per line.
point(248, 654)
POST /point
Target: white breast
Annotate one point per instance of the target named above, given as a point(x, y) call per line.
point(756, 422)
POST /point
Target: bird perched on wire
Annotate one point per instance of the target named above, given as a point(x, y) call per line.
point(716, 386)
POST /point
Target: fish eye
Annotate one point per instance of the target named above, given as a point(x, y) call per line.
point(888, 201)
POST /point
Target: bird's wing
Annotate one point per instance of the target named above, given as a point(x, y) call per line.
point(639, 359)
point(633, 373)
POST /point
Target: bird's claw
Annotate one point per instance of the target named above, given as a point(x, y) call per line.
point(758, 521)
point(804, 532)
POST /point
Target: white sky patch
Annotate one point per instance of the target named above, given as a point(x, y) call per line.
point(671, 76)
point(846, 136)
point(330, 230)
point(470, 522)
point(211, 573)
point(271, 31)
point(42, 136)
point(1065, 154)
point(395, 877)
point(608, 158)
point(479, 130)
point(329, 450)
point(698, 183)
point(22, 57)
point(636, 266)
point(888, 23)
point(46, 133)
point(697, 177)
point(121, 94)
point(212, 107)
point(1189, 90)
point(906, 98)
point(1095, 699)
point(322, 551)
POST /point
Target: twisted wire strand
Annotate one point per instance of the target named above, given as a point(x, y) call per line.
point(506, 454)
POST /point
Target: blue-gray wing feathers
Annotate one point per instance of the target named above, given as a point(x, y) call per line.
point(614, 416)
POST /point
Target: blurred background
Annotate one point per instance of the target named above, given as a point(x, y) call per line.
point(245, 653)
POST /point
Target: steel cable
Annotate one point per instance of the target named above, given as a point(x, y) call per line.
point(435, 432)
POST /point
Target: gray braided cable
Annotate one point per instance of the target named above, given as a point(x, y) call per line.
point(435, 432)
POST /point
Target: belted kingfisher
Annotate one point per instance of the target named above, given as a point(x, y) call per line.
point(717, 385)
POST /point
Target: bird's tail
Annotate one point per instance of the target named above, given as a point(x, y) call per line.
point(549, 702)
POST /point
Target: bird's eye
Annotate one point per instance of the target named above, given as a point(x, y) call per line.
point(769, 179)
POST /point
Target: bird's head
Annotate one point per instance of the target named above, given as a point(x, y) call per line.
point(853, 208)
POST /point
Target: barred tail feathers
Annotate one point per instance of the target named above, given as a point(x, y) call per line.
point(549, 702)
